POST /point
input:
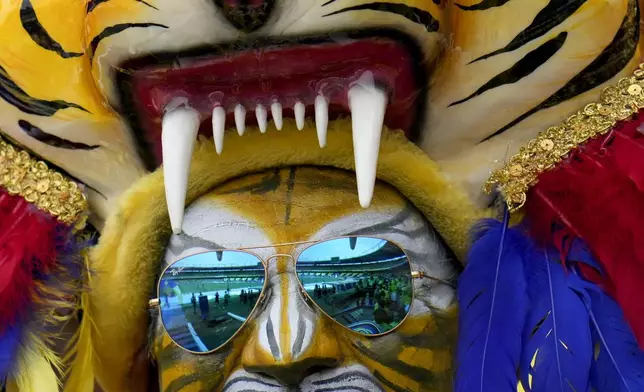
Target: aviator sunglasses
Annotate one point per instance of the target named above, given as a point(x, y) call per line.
point(362, 283)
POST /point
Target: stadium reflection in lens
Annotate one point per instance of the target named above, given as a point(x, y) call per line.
point(205, 298)
point(363, 283)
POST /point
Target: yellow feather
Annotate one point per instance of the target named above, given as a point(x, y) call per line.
point(37, 368)
point(81, 376)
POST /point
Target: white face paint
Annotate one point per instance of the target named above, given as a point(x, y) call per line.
point(289, 341)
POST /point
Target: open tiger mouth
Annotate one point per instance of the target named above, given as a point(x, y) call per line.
point(371, 76)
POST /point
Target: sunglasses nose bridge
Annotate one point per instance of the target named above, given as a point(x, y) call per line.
point(278, 255)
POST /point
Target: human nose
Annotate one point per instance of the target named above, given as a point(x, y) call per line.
point(290, 338)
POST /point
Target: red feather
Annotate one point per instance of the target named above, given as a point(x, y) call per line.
point(597, 195)
point(29, 243)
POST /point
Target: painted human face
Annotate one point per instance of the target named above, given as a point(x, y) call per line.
point(289, 343)
point(487, 75)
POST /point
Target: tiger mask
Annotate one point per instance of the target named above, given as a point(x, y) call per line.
point(467, 81)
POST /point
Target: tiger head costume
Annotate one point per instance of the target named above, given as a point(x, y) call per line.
point(106, 91)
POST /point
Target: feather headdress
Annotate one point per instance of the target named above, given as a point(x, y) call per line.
point(528, 317)
point(40, 271)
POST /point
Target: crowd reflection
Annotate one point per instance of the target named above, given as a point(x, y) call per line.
point(363, 283)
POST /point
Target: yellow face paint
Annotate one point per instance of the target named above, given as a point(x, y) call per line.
point(289, 340)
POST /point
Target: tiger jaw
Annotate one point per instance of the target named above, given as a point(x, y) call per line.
point(369, 75)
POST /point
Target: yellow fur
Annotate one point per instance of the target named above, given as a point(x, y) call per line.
point(127, 257)
point(81, 370)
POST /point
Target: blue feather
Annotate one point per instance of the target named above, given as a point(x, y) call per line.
point(579, 252)
point(492, 304)
point(9, 343)
point(619, 362)
point(557, 330)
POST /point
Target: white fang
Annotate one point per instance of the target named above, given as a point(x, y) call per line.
point(262, 118)
point(300, 112)
point(178, 136)
point(240, 119)
point(218, 127)
point(368, 104)
point(321, 119)
point(276, 112)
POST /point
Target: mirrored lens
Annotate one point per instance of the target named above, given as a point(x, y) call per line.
point(363, 283)
point(206, 298)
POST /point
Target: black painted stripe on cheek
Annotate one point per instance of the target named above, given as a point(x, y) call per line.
point(555, 13)
point(522, 68)
point(343, 389)
point(182, 382)
point(247, 380)
point(17, 97)
point(609, 63)
point(414, 14)
point(483, 5)
point(51, 140)
point(388, 383)
point(112, 30)
point(417, 373)
point(37, 32)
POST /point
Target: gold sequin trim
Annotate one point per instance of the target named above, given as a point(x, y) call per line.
point(550, 147)
point(22, 175)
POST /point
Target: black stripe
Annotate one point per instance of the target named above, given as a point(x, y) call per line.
point(555, 13)
point(269, 183)
point(289, 195)
point(38, 33)
point(272, 341)
point(412, 13)
point(235, 380)
point(350, 388)
point(94, 3)
point(182, 382)
point(483, 5)
point(112, 30)
point(609, 63)
point(342, 377)
point(522, 68)
point(328, 2)
point(147, 4)
point(421, 375)
point(389, 384)
point(50, 139)
point(14, 95)
point(437, 2)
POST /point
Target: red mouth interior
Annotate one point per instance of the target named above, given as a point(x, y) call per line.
point(297, 72)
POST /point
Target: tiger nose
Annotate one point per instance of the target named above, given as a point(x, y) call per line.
point(290, 338)
point(246, 15)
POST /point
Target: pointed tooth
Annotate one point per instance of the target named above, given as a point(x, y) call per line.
point(368, 104)
point(276, 112)
point(321, 118)
point(180, 128)
point(240, 119)
point(300, 112)
point(218, 127)
point(262, 118)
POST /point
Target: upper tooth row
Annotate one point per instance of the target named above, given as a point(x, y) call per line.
point(219, 119)
point(367, 104)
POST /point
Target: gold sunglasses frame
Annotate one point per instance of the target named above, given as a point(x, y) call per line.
point(155, 302)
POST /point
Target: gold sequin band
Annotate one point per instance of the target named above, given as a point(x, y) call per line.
point(550, 147)
point(50, 191)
